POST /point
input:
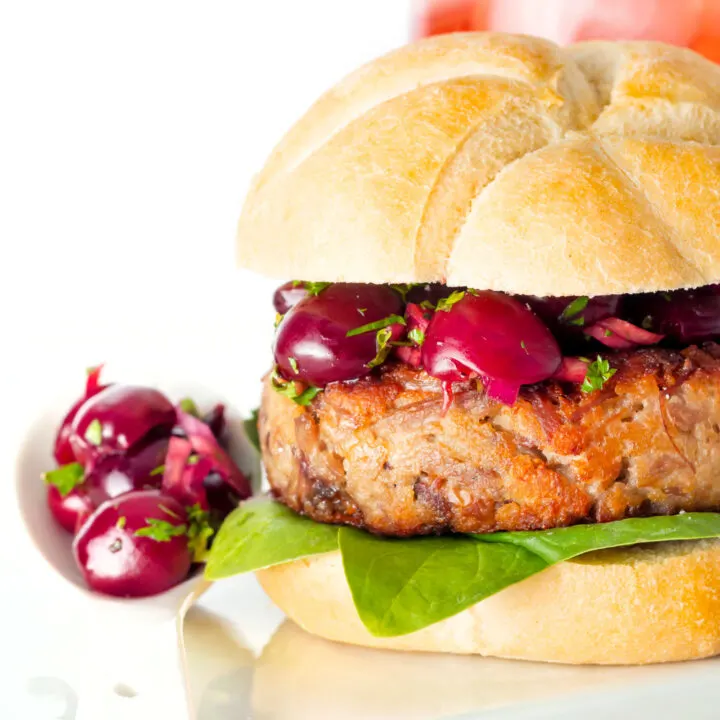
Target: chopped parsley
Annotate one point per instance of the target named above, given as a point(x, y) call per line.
point(573, 309)
point(199, 532)
point(121, 522)
point(93, 433)
point(524, 347)
point(159, 470)
point(315, 288)
point(383, 347)
point(377, 325)
point(598, 373)
point(293, 364)
point(161, 530)
point(289, 388)
point(278, 319)
point(65, 478)
point(608, 333)
point(417, 336)
point(193, 459)
point(187, 405)
point(362, 311)
point(444, 304)
point(169, 512)
point(404, 288)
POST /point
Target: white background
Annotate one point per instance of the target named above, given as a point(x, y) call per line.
point(129, 132)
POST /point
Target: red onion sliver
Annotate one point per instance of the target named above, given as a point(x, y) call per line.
point(620, 334)
point(571, 370)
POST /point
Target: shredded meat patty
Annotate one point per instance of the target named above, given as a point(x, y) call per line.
point(379, 453)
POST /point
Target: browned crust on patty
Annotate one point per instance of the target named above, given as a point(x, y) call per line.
point(378, 453)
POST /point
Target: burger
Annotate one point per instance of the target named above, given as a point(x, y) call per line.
point(492, 424)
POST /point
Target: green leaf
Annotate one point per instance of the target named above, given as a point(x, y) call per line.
point(293, 364)
point(400, 586)
point(262, 533)
point(575, 308)
point(566, 543)
point(445, 304)
point(377, 325)
point(382, 346)
point(159, 470)
point(65, 478)
point(417, 336)
point(188, 406)
point(289, 389)
point(598, 373)
point(161, 530)
point(93, 433)
point(251, 429)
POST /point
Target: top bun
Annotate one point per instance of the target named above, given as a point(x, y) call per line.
point(501, 162)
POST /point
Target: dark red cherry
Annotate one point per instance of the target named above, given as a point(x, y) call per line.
point(135, 545)
point(63, 451)
point(492, 335)
point(312, 342)
point(289, 295)
point(117, 419)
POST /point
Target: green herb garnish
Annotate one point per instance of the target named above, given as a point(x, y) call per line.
point(161, 530)
point(383, 347)
point(315, 288)
point(377, 325)
point(121, 522)
point(598, 373)
point(417, 336)
point(445, 304)
point(289, 388)
point(278, 319)
point(187, 405)
point(607, 333)
point(159, 470)
point(93, 433)
point(199, 532)
point(575, 308)
point(65, 478)
point(293, 364)
point(404, 288)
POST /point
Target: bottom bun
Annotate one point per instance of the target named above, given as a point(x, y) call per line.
point(627, 606)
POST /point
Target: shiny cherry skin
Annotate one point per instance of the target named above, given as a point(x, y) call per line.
point(492, 335)
point(311, 343)
point(116, 561)
point(118, 473)
point(288, 295)
point(70, 510)
point(63, 451)
point(122, 415)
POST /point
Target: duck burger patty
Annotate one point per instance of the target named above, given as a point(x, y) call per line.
point(384, 452)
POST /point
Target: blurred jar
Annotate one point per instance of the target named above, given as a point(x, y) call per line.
point(689, 23)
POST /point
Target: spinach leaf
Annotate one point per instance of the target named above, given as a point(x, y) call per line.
point(399, 586)
point(251, 429)
point(565, 543)
point(261, 533)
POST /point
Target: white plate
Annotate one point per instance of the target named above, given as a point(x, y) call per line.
point(247, 661)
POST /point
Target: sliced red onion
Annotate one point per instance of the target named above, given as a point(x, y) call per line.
point(571, 370)
point(205, 444)
point(620, 334)
point(417, 319)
